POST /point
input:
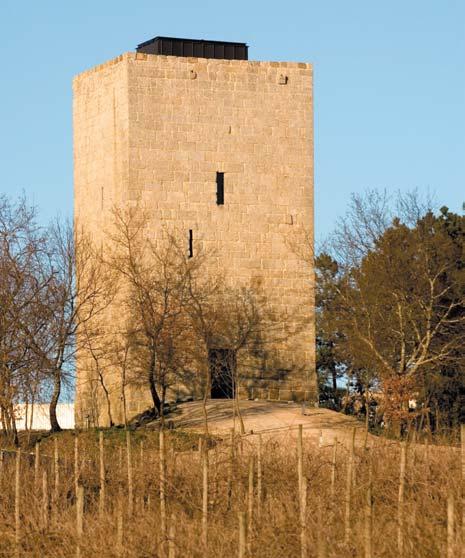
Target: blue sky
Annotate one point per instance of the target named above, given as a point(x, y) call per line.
point(389, 85)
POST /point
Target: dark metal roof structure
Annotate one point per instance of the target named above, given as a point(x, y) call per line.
point(171, 46)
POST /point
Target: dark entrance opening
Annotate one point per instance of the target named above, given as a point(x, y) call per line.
point(222, 370)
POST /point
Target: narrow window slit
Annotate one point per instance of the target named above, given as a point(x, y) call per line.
point(220, 188)
point(191, 244)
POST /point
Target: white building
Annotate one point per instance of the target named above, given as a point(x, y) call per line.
point(40, 416)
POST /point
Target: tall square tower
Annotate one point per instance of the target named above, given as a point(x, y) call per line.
point(219, 147)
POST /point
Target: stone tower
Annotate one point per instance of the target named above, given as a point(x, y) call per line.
point(219, 147)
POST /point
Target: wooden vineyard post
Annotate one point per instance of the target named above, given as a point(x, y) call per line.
point(349, 482)
point(76, 464)
point(141, 474)
point(303, 518)
point(300, 484)
point(119, 526)
point(231, 466)
point(162, 484)
point(36, 465)
point(56, 472)
point(174, 460)
point(450, 526)
point(214, 475)
point(259, 476)
point(17, 502)
point(44, 501)
point(250, 506)
point(101, 502)
point(79, 518)
point(368, 527)
point(172, 535)
point(354, 463)
point(242, 535)
point(130, 476)
point(400, 500)
point(413, 451)
point(333, 471)
point(462, 445)
point(300, 462)
point(205, 499)
point(320, 538)
point(1, 466)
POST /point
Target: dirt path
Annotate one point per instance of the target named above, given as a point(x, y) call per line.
point(270, 419)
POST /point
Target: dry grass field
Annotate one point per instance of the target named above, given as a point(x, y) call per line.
point(119, 494)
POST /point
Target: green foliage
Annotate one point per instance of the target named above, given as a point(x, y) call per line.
point(327, 364)
point(396, 317)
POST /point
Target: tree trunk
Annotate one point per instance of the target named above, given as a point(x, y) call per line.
point(104, 387)
point(334, 378)
point(238, 410)
point(31, 420)
point(437, 417)
point(14, 431)
point(123, 385)
point(206, 393)
point(26, 414)
point(123, 397)
point(107, 398)
point(152, 384)
point(6, 422)
point(367, 415)
point(54, 425)
point(346, 398)
point(162, 405)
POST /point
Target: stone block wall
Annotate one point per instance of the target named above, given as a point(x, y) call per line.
point(154, 130)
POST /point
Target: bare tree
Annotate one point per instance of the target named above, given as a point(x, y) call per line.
point(21, 286)
point(154, 274)
point(79, 289)
point(249, 326)
point(367, 218)
point(96, 342)
point(121, 362)
point(206, 312)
